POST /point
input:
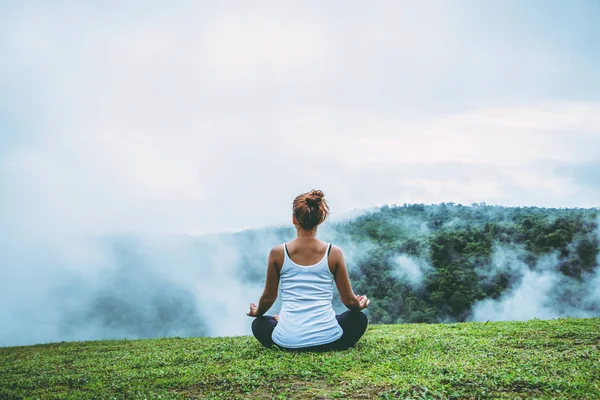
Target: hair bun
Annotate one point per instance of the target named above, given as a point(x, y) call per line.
point(313, 200)
point(310, 209)
point(314, 197)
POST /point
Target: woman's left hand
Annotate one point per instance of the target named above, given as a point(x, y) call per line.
point(252, 312)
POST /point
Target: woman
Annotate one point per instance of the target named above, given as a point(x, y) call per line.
point(306, 268)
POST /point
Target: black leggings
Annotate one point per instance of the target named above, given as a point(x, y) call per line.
point(353, 323)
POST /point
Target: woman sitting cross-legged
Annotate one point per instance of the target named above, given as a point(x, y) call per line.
point(306, 269)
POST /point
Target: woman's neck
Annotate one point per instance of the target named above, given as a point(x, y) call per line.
point(306, 235)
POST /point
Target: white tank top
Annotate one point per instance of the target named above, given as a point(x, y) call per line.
point(306, 317)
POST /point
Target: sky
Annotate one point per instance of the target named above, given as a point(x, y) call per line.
point(198, 117)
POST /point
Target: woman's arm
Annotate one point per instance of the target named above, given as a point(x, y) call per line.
point(342, 281)
point(271, 285)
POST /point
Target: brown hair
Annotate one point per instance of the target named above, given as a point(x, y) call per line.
point(310, 209)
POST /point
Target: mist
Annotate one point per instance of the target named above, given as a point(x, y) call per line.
point(129, 287)
point(540, 291)
point(66, 288)
point(72, 286)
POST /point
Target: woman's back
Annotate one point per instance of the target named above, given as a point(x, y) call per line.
point(307, 317)
point(305, 270)
point(306, 252)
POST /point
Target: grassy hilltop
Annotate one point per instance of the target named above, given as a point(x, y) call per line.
point(543, 359)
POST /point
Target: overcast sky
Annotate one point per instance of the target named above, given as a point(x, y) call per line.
point(194, 117)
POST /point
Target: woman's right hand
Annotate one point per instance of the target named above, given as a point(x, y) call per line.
point(253, 309)
point(363, 302)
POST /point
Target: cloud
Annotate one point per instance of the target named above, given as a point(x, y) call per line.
point(195, 118)
point(271, 46)
point(409, 269)
point(194, 114)
point(540, 291)
point(526, 301)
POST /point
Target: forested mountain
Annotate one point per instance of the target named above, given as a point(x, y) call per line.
point(449, 262)
point(417, 263)
point(433, 263)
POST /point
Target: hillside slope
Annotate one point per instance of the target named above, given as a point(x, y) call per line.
point(555, 358)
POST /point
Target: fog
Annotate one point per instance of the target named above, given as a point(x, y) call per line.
point(538, 292)
point(410, 269)
point(128, 287)
point(66, 288)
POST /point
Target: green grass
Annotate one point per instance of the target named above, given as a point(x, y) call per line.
point(542, 359)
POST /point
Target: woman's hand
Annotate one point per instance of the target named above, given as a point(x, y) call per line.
point(252, 312)
point(363, 302)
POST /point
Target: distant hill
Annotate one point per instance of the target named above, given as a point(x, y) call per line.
point(418, 263)
point(448, 262)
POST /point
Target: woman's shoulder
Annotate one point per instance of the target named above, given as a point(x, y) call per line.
point(336, 251)
point(277, 252)
point(277, 249)
point(277, 256)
